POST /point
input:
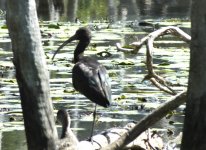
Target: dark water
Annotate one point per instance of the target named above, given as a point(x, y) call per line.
point(113, 10)
point(84, 10)
point(89, 11)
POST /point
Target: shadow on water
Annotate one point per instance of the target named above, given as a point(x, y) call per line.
point(111, 22)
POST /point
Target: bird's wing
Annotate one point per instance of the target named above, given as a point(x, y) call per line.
point(92, 81)
point(104, 81)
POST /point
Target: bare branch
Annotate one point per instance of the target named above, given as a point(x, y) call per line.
point(147, 122)
point(148, 40)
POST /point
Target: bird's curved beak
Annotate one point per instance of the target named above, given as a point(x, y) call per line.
point(72, 38)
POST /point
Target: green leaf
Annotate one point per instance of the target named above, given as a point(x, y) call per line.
point(54, 26)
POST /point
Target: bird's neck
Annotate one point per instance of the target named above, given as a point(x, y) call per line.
point(79, 51)
point(65, 128)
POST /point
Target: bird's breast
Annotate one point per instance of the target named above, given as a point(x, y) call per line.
point(85, 68)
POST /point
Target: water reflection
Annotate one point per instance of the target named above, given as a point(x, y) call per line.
point(69, 10)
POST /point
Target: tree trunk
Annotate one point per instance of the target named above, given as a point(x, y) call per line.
point(194, 137)
point(32, 75)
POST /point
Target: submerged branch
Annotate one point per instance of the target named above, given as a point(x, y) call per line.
point(163, 88)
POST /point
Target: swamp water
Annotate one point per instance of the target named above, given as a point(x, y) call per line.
point(132, 98)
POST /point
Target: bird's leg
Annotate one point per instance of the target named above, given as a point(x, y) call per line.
point(93, 124)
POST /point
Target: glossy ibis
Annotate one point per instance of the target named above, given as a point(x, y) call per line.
point(89, 77)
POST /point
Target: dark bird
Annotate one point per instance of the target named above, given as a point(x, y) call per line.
point(89, 77)
point(67, 136)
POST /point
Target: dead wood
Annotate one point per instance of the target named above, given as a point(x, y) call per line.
point(157, 80)
point(146, 122)
point(135, 135)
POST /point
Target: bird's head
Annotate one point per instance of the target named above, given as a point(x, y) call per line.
point(63, 118)
point(82, 34)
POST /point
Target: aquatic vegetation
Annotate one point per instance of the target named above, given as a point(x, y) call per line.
point(132, 97)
